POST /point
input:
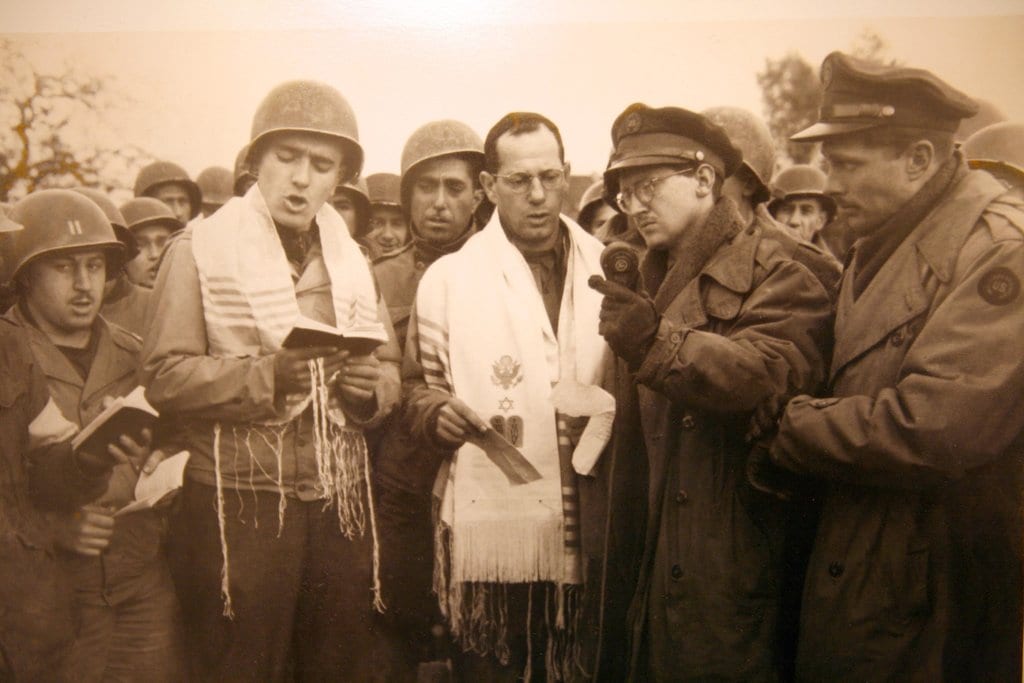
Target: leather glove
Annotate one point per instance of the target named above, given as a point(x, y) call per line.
point(628, 320)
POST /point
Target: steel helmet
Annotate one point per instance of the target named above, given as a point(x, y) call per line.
point(988, 114)
point(438, 139)
point(217, 185)
point(750, 133)
point(384, 189)
point(113, 215)
point(143, 211)
point(360, 196)
point(60, 220)
point(312, 107)
point(163, 172)
point(798, 181)
point(6, 224)
point(244, 178)
point(998, 148)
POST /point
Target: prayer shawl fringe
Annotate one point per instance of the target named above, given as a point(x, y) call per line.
point(249, 307)
point(485, 336)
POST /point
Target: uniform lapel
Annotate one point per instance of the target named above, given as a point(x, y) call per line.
point(110, 365)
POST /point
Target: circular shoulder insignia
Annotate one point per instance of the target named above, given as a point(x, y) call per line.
point(999, 286)
point(632, 123)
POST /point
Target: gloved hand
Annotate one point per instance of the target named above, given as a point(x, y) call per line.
point(628, 320)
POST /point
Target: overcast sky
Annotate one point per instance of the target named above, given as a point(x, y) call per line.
point(196, 71)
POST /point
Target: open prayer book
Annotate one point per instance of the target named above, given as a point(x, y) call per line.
point(309, 333)
point(127, 415)
point(152, 488)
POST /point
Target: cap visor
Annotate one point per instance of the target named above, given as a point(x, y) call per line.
point(820, 131)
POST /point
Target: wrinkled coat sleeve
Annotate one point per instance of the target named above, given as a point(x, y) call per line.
point(178, 374)
point(957, 404)
point(421, 403)
point(772, 346)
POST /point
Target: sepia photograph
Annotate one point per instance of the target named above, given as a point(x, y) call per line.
point(518, 340)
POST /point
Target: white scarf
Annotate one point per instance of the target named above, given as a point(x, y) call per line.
point(249, 307)
point(485, 336)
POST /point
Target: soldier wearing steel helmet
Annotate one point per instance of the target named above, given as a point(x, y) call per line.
point(39, 474)
point(216, 186)
point(799, 202)
point(999, 149)
point(915, 572)
point(126, 608)
point(724, 319)
point(749, 189)
point(594, 214)
point(152, 224)
point(275, 540)
point(389, 230)
point(439, 193)
point(352, 201)
point(170, 183)
point(124, 302)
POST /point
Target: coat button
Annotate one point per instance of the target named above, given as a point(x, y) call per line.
point(420, 265)
point(896, 338)
point(688, 422)
point(675, 337)
point(836, 569)
point(682, 498)
point(677, 572)
point(303, 487)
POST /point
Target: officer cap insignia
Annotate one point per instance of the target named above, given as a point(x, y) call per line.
point(999, 286)
point(632, 123)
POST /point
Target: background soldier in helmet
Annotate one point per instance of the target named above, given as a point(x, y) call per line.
point(128, 622)
point(215, 186)
point(799, 202)
point(169, 183)
point(151, 223)
point(916, 568)
point(594, 213)
point(274, 542)
point(124, 302)
point(440, 191)
point(999, 149)
point(39, 473)
point(389, 231)
point(353, 203)
point(748, 188)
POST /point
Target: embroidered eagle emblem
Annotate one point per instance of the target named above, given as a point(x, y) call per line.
point(506, 373)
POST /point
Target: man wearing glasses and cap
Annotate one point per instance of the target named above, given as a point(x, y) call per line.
point(723, 320)
point(916, 568)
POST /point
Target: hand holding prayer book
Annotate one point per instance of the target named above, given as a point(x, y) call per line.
point(309, 333)
point(126, 415)
point(156, 486)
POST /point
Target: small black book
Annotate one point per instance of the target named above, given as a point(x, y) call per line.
point(127, 415)
point(308, 333)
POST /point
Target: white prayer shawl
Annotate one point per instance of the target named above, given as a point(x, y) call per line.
point(249, 306)
point(485, 336)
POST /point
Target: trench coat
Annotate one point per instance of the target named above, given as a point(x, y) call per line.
point(915, 573)
point(753, 323)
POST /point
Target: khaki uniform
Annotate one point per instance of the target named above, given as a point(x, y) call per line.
point(131, 574)
point(753, 323)
point(126, 305)
point(916, 569)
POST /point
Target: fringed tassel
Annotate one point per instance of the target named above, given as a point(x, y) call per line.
point(225, 573)
point(378, 600)
point(343, 469)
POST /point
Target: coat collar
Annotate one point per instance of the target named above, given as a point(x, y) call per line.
point(896, 295)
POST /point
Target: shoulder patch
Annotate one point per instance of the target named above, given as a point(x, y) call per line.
point(999, 286)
